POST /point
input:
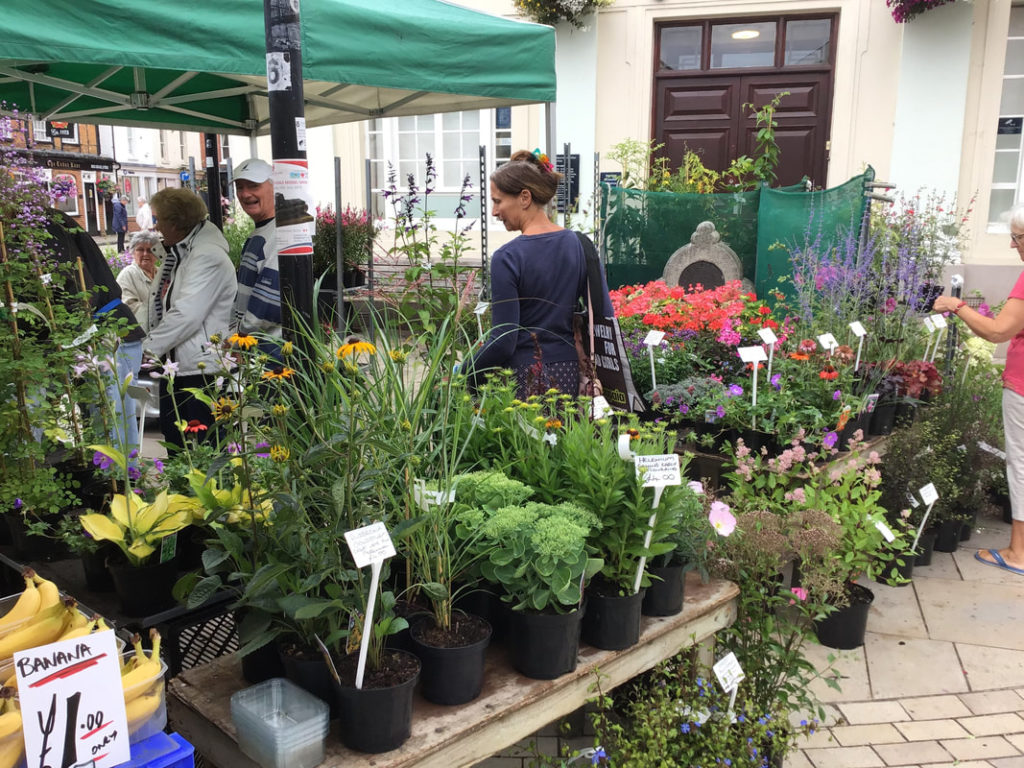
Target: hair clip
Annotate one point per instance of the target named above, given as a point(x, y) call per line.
point(545, 163)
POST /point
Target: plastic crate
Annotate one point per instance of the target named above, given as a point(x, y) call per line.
point(162, 750)
point(198, 636)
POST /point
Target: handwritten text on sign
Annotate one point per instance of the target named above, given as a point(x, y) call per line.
point(370, 544)
point(661, 469)
point(72, 704)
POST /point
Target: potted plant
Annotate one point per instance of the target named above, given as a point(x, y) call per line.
point(689, 534)
point(536, 554)
point(357, 235)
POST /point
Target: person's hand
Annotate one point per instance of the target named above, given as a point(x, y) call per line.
point(946, 304)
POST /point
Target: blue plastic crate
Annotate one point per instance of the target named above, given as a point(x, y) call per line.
point(162, 750)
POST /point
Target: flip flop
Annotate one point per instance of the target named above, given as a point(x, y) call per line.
point(999, 562)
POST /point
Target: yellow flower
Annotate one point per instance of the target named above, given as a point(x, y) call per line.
point(398, 355)
point(356, 348)
point(327, 366)
point(553, 424)
point(243, 340)
point(282, 372)
point(280, 410)
point(279, 453)
point(406, 425)
point(351, 367)
point(223, 408)
point(215, 339)
point(287, 349)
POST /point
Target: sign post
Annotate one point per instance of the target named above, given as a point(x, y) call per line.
point(656, 472)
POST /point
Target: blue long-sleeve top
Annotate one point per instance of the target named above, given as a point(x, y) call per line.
point(536, 284)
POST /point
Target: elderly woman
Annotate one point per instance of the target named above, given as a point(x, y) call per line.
point(1008, 325)
point(136, 280)
point(192, 299)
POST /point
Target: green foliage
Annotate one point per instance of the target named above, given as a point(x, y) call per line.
point(357, 235)
point(237, 228)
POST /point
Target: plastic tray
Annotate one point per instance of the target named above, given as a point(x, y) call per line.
point(155, 722)
point(162, 750)
point(6, 603)
point(279, 725)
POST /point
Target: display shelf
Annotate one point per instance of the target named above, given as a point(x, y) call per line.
point(510, 708)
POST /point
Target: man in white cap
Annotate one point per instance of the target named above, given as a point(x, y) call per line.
point(258, 301)
point(144, 216)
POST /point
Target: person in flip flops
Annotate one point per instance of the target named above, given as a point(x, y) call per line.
point(1008, 325)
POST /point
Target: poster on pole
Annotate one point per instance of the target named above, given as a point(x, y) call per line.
point(293, 202)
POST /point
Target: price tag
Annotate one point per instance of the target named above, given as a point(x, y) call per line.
point(828, 342)
point(886, 532)
point(939, 321)
point(928, 494)
point(871, 402)
point(72, 706)
point(370, 544)
point(481, 307)
point(661, 469)
point(168, 546)
point(752, 354)
point(858, 329)
point(991, 449)
point(767, 335)
point(913, 500)
point(654, 338)
point(728, 671)
point(928, 325)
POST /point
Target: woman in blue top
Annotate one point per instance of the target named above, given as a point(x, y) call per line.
point(537, 281)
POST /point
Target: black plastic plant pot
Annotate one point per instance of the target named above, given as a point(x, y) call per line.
point(612, 622)
point(544, 646)
point(94, 566)
point(948, 536)
point(451, 675)
point(883, 419)
point(308, 670)
point(376, 720)
point(925, 548)
point(144, 590)
point(844, 629)
point(665, 595)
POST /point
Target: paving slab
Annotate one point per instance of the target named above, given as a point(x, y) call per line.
point(953, 611)
point(906, 667)
point(991, 702)
point(796, 760)
point(921, 751)
point(989, 668)
point(943, 567)
point(982, 748)
point(860, 735)
point(932, 730)
point(895, 611)
point(845, 757)
point(857, 713)
point(990, 725)
point(852, 669)
point(979, 573)
point(831, 716)
point(934, 707)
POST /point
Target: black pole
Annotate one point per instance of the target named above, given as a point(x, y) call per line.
point(485, 283)
point(955, 289)
point(288, 149)
point(339, 246)
point(213, 193)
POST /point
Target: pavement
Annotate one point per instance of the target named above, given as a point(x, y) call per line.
point(939, 681)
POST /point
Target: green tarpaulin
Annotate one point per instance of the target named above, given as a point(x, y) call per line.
point(193, 65)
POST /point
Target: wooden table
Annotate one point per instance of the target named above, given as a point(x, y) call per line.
point(510, 708)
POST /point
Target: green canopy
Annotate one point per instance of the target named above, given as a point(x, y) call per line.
point(201, 66)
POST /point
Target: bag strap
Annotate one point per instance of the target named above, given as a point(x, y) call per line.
point(594, 286)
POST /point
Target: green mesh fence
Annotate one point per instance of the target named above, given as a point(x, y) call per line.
point(786, 217)
point(642, 230)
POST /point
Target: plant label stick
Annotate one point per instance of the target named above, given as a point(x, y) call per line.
point(653, 339)
point(768, 337)
point(930, 327)
point(479, 310)
point(828, 342)
point(753, 356)
point(859, 331)
point(654, 472)
point(940, 325)
point(370, 545)
point(929, 496)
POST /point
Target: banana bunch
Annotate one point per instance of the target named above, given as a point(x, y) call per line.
point(12, 745)
point(141, 700)
point(38, 617)
point(79, 626)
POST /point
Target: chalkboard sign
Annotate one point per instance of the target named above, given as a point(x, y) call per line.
point(569, 188)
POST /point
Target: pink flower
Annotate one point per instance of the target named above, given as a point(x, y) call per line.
point(799, 593)
point(721, 518)
point(696, 486)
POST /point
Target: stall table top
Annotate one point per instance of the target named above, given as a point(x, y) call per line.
point(510, 708)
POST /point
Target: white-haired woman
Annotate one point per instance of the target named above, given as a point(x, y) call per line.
point(136, 280)
point(1008, 325)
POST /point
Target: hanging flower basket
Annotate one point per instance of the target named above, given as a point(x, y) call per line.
point(905, 10)
point(554, 11)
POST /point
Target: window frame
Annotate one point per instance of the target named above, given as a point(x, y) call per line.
point(995, 223)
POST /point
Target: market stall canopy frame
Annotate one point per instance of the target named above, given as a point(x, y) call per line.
point(201, 66)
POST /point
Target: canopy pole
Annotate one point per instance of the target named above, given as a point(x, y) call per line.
point(485, 289)
point(339, 250)
point(213, 193)
point(292, 196)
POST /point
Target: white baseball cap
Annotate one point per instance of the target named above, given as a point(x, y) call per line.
point(254, 170)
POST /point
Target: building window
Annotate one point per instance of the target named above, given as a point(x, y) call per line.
point(183, 146)
point(163, 145)
point(67, 186)
point(502, 135)
point(39, 132)
point(401, 144)
point(1007, 174)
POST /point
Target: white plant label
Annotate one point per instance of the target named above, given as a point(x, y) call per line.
point(654, 338)
point(752, 354)
point(929, 495)
point(858, 329)
point(991, 449)
point(600, 407)
point(767, 335)
point(939, 321)
point(913, 500)
point(886, 531)
point(625, 452)
point(828, 342)
point(481, 307)
point(427, 499)
point(928, 324)
point(728, 671)
point(658, 470)
point(72, 705)
point(370, 544)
